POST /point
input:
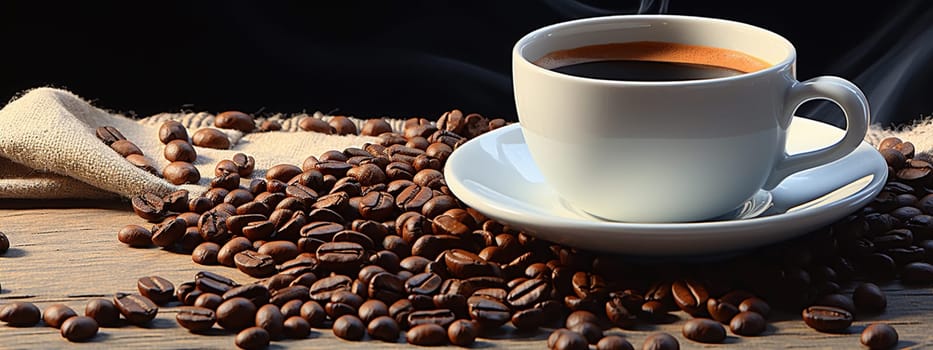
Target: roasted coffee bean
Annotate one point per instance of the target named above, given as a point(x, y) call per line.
point(836, 300)
point(827, 319)
point(442, 317)
point(528, 293)
point(255, 264)
point(386, 287)
point(413, 198)
point(172, 130)
point(227, 252)
point(618, 314)
point(342, 125)
point(180, 172)
point(580, 316)
point(296, 327)
point(590, 331)
point(424, 283)
point(660, 341)
point(210, 282)
point(236, 314)
point(179, 151)
point(917, 273)
point(142, 162)
point(79, 328)
point(280, 251)
point(56, 314)
point(462, 333)
point(133, 235)
point(205, 253)
point(587, 285)
point(439, 204)
point(690, 296)
point(869, 298)
point(349, 327)
point(878, 336)
point(168, 232)
point(375, 127)
point(213, 228)
point(720, 310)
point(426, 335)
point(125, 148)
point(257, 294)
point(565, 339)
point(281, 296)
point(748, 323)
point(156, 288)
point(314, 313)
point(614, 342)
point(103, 311)
point(149, 207)
point(200, 204)
point(235, 120)
point(315, 125)
point(463, 264)
point(414, 264)
point(137, 309)
point(196, 319)
point(252, 338)
point(383, 328)
point(756, 305)
point(340, 255)
point(488, 313)
point(400, 310)
point(704, 330)
point(208, 301)
point(372, 309)
point(528, 319)
point(377, 205)
point(322, 289)
point(109, 135)
point(20, 314)
point(269, 317)
point(210, 138)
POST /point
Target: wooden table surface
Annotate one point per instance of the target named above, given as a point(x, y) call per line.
point(67, 252)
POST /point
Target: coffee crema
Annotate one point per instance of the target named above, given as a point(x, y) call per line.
point(650, 61)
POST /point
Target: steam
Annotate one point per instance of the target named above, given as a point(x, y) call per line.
point(577, 9)
point(891, 80)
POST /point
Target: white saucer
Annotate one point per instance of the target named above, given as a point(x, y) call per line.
point(494, 173)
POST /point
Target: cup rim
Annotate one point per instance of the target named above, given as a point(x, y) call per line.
point(519, 58)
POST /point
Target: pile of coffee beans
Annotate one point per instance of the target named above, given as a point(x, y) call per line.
point(371, 243)
point(126, 148)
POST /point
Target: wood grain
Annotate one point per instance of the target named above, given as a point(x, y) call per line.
point(67, 252)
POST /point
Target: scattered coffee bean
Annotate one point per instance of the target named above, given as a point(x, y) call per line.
point(462, 333)
point(137, 309)
point(383, 328)
point(20, 314)
point(103, 311)
point(426, 335)
point(869, 298)
point(349, 327)
point(172, 130)
point(179, 151)
point(156, 288)
point(125, 148)
point(756, 305)
point(79, 328)
point(879, 336)
point(270, 318)
point(196, 319)
point(252, 338)
point(132, 235)
point(180, 173)
point(660, 341)
point(614, 342)
point(109, 134)
point(590, 331)
point(827, 319)
point(235, 120)
point(236, 314)
point(704, 330)
point(296, 327)
point(748, 323)
point(56, 314)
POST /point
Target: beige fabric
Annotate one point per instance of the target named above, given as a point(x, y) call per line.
point(49, 149)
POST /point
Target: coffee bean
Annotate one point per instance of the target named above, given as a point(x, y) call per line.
point(386, 287)
point(341, 256)
point(314, 313)
point(413, 198)
point(156, 288)
point(133, 235)
point(879, 336)
point(756, 305)
point(180, 173)
point(529, 293)
point(614, 342)
point(205, 253)
point(252, 338)
point(179, 151)
point(142, 162)
point(236, 314)
point(590, 331)
point(441, 317)
point(270, 318)
point(5, 242)
point(377, 205)
point(463, 264)
point(869, 298)
point(137, 309)
point(827, 319)
point(255, 264)
point(322, 289)
point(488, 313)
point(426, 335)
point(79, 328)
point(125, 148)
point(210, 138)
point(660, 341)
point(565, 339)
point(690, 296)
point(748, 323)
point(618, 314)
point(149, 207)
point(284, 295)
point(383, 328)
point(587, 284)
point(56, 314)
point(172, 130)
point(704, 330)
point(213, 228)
point(109, 134)
point(235, 120)
point(296, 327)
point(342, 125)
point(372, 309)
point(103, 311)
point(257, 294)
point(20, 314)
point(196, 319)
point(721, 310)
point(280, 251)
point(315, 125)
point(208, 301)
point(917, 273)
point(349, 327)
point(210, 282)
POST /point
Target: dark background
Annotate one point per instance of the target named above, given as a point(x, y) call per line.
point(404, 58)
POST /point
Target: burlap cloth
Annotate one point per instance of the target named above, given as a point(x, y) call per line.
point(49, 150)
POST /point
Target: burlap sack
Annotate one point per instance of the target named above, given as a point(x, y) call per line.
point(48, 148)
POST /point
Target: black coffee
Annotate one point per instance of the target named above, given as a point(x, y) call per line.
point(645, 71)
point(650, 61)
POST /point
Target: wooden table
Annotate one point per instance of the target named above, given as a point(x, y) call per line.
point(67, 252)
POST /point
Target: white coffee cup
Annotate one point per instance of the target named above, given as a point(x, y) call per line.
point(670, 151)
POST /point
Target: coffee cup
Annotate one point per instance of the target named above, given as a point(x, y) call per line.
point(661, 118)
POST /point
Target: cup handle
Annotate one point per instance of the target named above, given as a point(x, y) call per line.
point(853, 103)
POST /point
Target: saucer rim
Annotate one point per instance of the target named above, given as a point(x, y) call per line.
point(808, 218)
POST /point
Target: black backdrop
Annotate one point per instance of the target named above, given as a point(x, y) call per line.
point(399, 58)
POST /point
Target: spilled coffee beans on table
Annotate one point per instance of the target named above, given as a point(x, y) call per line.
point(371, 243)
